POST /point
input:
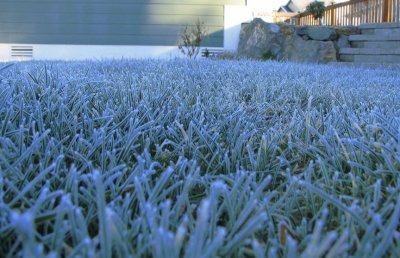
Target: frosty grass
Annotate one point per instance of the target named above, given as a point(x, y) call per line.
point(198, 159)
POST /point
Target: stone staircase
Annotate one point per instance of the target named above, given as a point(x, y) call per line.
point(377, 43)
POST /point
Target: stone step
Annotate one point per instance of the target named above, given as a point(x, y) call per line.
point(370, 58)
point(388, 66)
point(370, 51)
point(380, 25)
point(375, 44)
point(374, 38)
point(378, 43)
point(381, 32)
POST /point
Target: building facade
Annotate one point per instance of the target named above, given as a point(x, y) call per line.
point(98, 29)
point(82, 29)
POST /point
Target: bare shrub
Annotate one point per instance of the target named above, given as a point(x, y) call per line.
point(190, 39)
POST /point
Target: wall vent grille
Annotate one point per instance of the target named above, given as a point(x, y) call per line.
point(22, 51)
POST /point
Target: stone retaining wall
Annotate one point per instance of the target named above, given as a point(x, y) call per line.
point(303, 44)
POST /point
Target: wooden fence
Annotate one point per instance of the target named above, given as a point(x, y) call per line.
point(354, 12)
point(281, 17)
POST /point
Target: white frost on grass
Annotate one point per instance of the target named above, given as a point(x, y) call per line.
point(175, 158)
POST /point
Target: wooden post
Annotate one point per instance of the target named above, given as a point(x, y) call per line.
point(351, 11)
point(385, 11)
point(333, 17)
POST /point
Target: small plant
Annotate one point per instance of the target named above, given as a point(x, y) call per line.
point(317, 9)
point(206, 53)
point(190, 39)
point(268, 56)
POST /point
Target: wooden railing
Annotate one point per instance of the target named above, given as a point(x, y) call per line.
point(273, 16)
point(354, 12)
point(281, 17)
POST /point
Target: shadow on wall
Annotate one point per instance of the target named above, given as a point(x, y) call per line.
point(91, 23)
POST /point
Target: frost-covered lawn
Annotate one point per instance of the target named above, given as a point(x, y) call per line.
point(198, 159)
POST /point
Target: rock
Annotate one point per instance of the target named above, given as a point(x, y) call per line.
point(312, 51)
point(301, 30)
point(287, 30)
point(342, 42)
point(305, 37)
point(261, 40)
point(348, 30)
point(321, 33)
point(258, 38)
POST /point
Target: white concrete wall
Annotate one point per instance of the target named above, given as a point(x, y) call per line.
point(82, 52)
point(5, 52)
point(234, 17)
point(267, 5)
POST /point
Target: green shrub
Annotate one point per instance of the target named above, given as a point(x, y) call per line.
point(268, 56)
point(317, 9)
